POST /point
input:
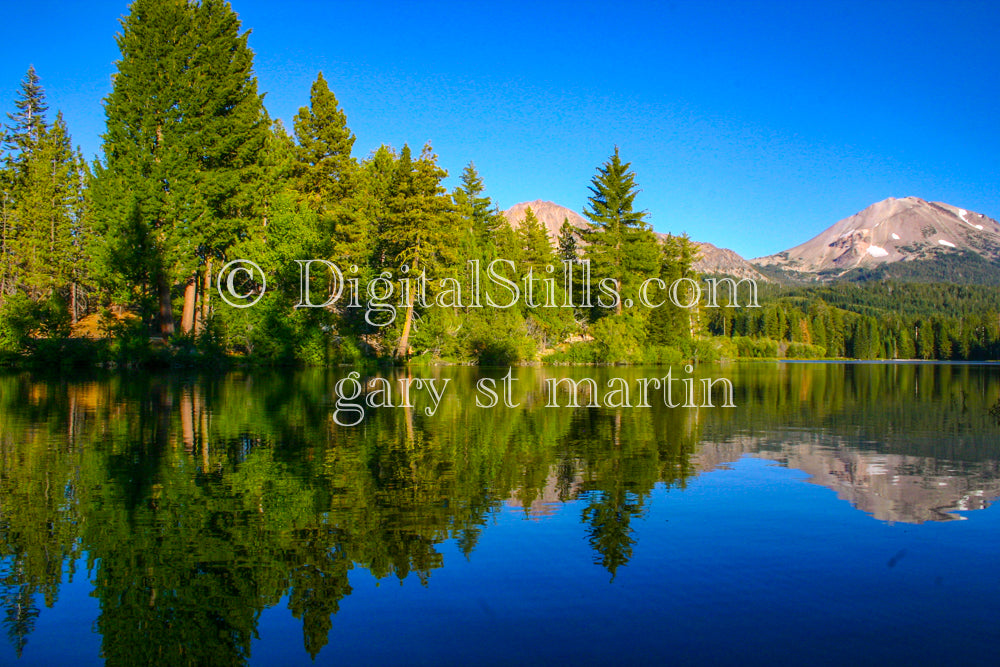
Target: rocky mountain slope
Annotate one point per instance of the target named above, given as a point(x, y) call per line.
point(893, 230)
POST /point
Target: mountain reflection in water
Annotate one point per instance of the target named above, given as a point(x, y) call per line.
point(197, 502)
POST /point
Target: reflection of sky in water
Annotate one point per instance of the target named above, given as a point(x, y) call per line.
point(814, 524)
point(748, 564)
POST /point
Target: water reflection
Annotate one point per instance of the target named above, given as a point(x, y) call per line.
point(199, 502)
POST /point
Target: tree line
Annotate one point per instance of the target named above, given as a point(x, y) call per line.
point(193, 172)
point(877, 320)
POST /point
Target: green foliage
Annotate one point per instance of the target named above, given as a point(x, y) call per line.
point(804, 351)
point(670, 324)
point(568, 247)
point(873, 320)
point(42, 225)
point(756, 348)
point(185, 132)
point(620, 244)
point(18, 320)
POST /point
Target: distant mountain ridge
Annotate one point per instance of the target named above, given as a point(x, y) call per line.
point(907, 239)
point(712, 260)
point(890, 231)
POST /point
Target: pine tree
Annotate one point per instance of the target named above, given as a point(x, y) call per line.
point(24, 131)
point(536, 247)
point(475, 209)
point(373, 198)
point(185, 130)
point(48, 212)
point(925, 340)
point(621, 245)
point(43, 185)
point(669, 324)
point(421, 231)
point(544, 316)
point(568, 247)
point(28, 122)
point(324, 148)
point(6, 228)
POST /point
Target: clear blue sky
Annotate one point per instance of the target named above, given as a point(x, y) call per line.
point(751, 125)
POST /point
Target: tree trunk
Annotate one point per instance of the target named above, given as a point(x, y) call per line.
point(72, 303)
point(404, 338)
point(166, 308)
point(190, 294)
point(206, 291)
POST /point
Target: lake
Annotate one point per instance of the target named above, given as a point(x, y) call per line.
point(840, 513)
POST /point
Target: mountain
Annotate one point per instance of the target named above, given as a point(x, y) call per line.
point(891, 487)
point(712, 260)
point(942, 241)
point(551, 215)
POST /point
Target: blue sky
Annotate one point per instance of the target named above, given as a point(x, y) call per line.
point(751, 125)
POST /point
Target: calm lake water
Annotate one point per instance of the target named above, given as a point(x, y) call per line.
point(839, 514)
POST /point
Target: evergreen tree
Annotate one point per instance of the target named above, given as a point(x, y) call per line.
point(326, 174)
point(185, 130)
point(324, 148)
point(536, 247)
point(475, 208)
point(421, 230)
point(669, 324)
point(6, 228)
point(48, 211)
point(28, 123)
point(25, 128)
point(568, 247)
point(925, 340)
point(543, 314)
point(621, 244)
point(43, 183)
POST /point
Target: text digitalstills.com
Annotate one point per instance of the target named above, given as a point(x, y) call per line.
point(242, 283)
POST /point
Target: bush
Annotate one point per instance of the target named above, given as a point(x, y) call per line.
point(756, 348)
point(662, 355)
point(584, 352)
point(618, 338)
point(500, 340)
point(804, 351)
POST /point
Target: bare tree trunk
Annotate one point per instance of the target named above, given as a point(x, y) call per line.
point(404, 338)
point(166, 308)
point(190, 294)
point(206, 292)
point(72, 303)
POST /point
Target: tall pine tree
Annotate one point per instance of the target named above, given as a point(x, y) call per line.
point(185, 130)
point(621, 245)
point(42, 212)
point(327, 176)
point(421, 231)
